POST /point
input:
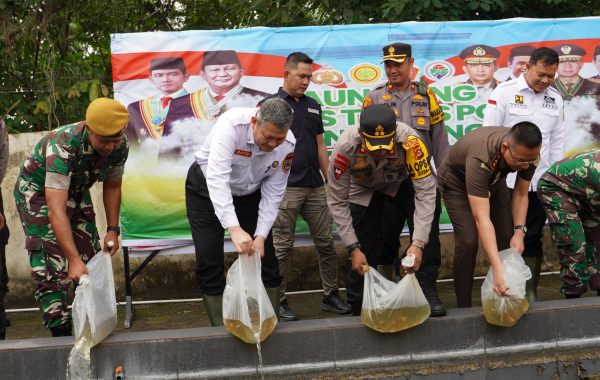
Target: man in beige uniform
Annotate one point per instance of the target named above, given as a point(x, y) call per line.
point(416, 105)
point(473, 184)
point(367, 168)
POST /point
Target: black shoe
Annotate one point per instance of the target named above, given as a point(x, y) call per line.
point(571, 296)
point(428, 284)
point(333, 303)
point(286, 313)
point(66, 329)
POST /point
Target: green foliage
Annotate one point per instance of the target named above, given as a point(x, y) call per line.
point(56, 53)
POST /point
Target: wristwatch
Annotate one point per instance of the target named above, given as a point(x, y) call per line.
point(352, 247)
point(116, 229)
point(520, 227)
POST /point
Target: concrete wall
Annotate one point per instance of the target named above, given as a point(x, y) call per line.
point(172, 276)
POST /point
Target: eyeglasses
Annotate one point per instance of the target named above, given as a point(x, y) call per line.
point(522, 162)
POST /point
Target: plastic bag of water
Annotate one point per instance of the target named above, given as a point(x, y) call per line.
point(506, 310)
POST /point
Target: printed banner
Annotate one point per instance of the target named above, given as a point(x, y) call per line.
point(175, 85)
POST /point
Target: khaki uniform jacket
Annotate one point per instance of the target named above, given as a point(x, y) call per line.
point(421, 112)
point(353, 176)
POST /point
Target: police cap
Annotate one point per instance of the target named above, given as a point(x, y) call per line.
point(520, 51)
point(220, 57)
point(569, 52)
point(480, 54)
point(378, 127)
point(166, 63)
point(397, 52)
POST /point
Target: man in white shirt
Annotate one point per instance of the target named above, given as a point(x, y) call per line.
point(237, 182)
point(530, 98)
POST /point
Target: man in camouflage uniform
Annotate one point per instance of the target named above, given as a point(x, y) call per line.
point(415, 105)
point(570, 193)
point(53, 200)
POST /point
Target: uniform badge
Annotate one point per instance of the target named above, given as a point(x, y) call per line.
point(417, 158)
point(366, 103)
point(243, 153)
point(287, 163)
point(420, 110)
point(420, 121)
point(275, 164)
point(386, 97)
point(395, 112)
point(519, 99)
point(418, 97)
point(340, 164)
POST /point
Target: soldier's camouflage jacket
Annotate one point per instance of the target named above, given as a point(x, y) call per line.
point(64, 159)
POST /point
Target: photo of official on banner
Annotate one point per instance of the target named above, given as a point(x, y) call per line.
point(176, 84)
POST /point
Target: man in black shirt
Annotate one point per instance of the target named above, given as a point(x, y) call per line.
point(305, 194)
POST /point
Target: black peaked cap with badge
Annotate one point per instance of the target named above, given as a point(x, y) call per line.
point(378, 127)
point(397, 52)
point(480, 54)
point(569, 52)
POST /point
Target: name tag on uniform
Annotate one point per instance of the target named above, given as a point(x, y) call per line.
point(243, 153)
point(312, 110)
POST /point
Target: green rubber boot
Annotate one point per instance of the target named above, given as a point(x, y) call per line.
point(274, 294)
point(386, 271)
point(535, 265)
point(214, 309)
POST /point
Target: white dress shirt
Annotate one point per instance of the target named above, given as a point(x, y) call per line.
point(514, 101)
point(234, 166)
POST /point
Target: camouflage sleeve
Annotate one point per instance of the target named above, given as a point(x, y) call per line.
point(60, 162)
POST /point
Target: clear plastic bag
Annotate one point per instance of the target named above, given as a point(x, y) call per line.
point(506, 310)
point(94, 313)
point(391, 307)
point(247, 311)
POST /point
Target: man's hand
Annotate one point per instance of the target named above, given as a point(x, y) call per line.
point(499, 287)
point(358, 260)
point(76, 269)
point(418, 254)
point(259, 243)
point(111, 243)
point(517, 242)
point(242, 242)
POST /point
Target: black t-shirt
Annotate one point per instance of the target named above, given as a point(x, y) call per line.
point(307, 125)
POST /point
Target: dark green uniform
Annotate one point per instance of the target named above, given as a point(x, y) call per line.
point(64, 159)
point(570, 193)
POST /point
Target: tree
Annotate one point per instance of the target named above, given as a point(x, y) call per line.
point(56, 53)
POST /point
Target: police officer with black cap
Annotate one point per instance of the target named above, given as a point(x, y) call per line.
point(415, 105)
point(367, 168)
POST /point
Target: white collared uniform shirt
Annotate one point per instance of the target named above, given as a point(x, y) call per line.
point(235, 166)
point(514, 101)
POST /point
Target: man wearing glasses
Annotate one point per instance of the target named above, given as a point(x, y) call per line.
point(531, 98)
point(472, 180)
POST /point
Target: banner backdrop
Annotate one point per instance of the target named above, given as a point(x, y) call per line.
point(244, 65)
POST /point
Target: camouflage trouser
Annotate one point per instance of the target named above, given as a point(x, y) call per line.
point(575, 230)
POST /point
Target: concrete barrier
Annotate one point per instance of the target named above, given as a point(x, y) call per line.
point(555, 339)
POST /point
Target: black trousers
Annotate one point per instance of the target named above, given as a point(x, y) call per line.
point(208, 234)
point(367, 226)
point(397, 212)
